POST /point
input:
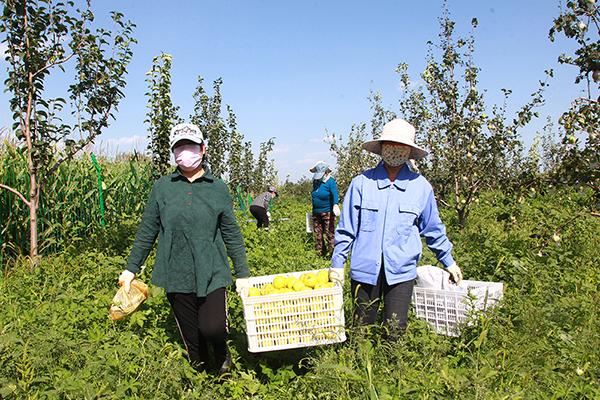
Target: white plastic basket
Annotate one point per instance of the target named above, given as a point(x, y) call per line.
point(294, 319)
point(309, 223)
point(445, 310)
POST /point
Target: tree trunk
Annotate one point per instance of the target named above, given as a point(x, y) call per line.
point(462, 217)
point(34, 197)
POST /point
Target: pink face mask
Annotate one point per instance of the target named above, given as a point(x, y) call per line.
point(188, 156)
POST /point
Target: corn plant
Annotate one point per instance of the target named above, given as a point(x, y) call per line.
point(69, 211)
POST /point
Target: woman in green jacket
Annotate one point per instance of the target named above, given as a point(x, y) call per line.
point(191, 213)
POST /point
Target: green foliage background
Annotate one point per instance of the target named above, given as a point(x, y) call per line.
point(56, 339)
point(541, 240)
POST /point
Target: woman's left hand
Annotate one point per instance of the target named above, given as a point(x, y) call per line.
point(336, 210)
point(455, 273)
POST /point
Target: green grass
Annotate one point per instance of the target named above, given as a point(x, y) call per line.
point(56, 340)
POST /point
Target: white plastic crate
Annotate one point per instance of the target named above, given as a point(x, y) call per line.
point(294, 319)
point(445, 310)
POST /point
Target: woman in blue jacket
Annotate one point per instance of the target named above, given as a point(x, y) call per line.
point(386, 211)
point(324, 207)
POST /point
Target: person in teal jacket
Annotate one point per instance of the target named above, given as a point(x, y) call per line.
point(191, 213)
point(325, 207)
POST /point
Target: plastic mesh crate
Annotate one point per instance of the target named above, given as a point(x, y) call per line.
point(294, 319)
point(445, 310)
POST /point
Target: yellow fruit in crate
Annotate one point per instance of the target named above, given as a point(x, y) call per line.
point(267, 289)
point(310, 280)
point(299, 286)
point(291, 281)
point(320, 285)
point(253, 291)
point(329, 284)
point(279, 282)
point(323, 276)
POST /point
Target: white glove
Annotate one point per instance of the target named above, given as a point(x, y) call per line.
point(336, 210)
point(268, 215)
point(125, 279)
point(455, 273)
point(241, 284)
point(336, 275)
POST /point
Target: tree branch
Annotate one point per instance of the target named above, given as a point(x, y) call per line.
point(15, 191)
point(444, 203)
point(48, 66)
point(578, 100)
point(70, 153)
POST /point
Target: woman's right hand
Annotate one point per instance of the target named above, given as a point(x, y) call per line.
point(241, 284)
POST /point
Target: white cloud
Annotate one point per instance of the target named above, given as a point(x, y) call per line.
point(135, 140)
point(319, 154)
point(312, 158)
point(325, 139)
point(3, 49)
point(124, 144)
point(416, 84)
point(306, 161)
point(279, 149)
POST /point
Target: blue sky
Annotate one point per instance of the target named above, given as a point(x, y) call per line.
point(296, 70)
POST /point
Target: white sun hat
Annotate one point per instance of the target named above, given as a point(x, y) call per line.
point(398, 131)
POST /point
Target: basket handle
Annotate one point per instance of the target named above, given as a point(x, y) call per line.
point(337, 275)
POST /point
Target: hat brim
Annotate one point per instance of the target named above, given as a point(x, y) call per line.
point(318, 175)
point(374, 146)
point(191, 138)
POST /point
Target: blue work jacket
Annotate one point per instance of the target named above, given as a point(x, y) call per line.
point(386, 218)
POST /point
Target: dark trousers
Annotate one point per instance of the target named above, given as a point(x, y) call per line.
point(260, 213)
point(396, 301)
point(324, 228)
point(201, 320)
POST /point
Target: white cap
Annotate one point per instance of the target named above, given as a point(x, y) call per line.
point(186, 131)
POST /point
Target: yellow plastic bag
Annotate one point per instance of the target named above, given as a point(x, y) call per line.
point(125, 303)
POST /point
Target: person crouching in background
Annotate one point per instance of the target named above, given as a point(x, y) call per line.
point(260, 207)
point(324, 207)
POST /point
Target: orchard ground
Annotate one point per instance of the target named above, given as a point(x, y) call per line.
point(542, 342)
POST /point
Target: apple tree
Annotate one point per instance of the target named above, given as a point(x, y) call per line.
point(207, 115)
point(579, 20)
point(43, 38)
point(469, 150)
point(161, 115)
